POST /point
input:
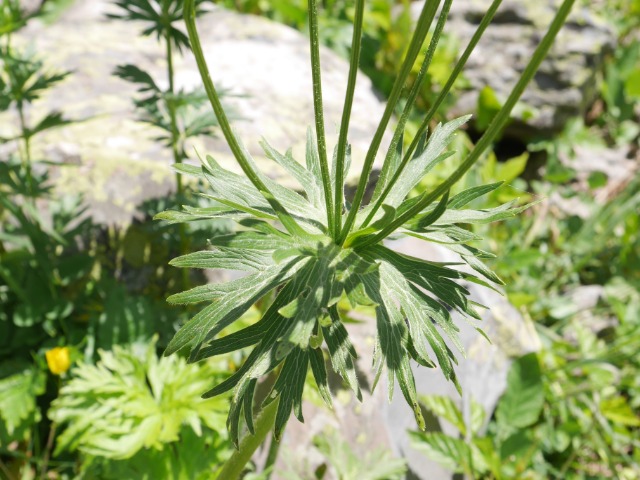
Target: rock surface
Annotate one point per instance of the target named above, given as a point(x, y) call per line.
point(565, 84)
point(265, 66)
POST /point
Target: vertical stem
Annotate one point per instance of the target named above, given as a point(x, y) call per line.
point(47, 452)
point(175, 134)
point(319, 114)
point(422, 28)
point(175, 147)
point(26, 157)
point(356, 44)
point(413, 94)
point(272, 456)
point(234, 467)
point(492, 132)
point(190, 21)
point(486, 20)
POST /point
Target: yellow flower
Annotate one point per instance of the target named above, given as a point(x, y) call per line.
point(58, 360)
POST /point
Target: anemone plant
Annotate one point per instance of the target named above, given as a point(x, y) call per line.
point(309, 248)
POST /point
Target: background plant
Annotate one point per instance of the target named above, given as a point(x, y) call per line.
point(325, 247)
point(108, 284)
point(132, 407)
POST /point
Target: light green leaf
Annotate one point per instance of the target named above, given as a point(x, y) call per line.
point(18, 394)
point(242, 293)
point(470, 194)
point(452, 453)
point(481, 216)
point(522, 402)
point(225, 258)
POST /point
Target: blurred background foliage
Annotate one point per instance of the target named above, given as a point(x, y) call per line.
point(83, 318)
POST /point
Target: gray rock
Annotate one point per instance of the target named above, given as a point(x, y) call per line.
point(264, 64)
point(565, 84)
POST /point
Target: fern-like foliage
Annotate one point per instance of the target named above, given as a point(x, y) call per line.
point(310, 273)
point(131, 400)
point(23, 78)
point(159, 17)
point(156, 106)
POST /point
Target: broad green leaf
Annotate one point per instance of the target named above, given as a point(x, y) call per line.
point(18, 394)
point(452, 453)
point(618, 410)
point(522, 402)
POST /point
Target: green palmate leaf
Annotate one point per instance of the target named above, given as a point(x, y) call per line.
point(232, 300)
point(159, 17)
point(423, 161)
point(303, 253)
point(131, 400)
point(304, 177)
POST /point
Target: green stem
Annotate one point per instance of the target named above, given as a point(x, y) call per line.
point(272, 456)
point(175, 134)
point(356, 45)
point(26, 157)
point(234, 467)
point(420, 33)
point(175, 148)
point(190, 21)
point(492, 132)
point(316, 75)
point(486, 20)
point(413, 94)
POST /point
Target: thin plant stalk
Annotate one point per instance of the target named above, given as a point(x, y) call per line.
point(177, 157)
point(413, 94)
point(318, 110)
point(486, 20)
point(235, 465)
point(26, 156)
point(175, 148)
point(455, 73)
point(422, 28)
point(498, 123)
point(356, 46)
point(190, 20)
